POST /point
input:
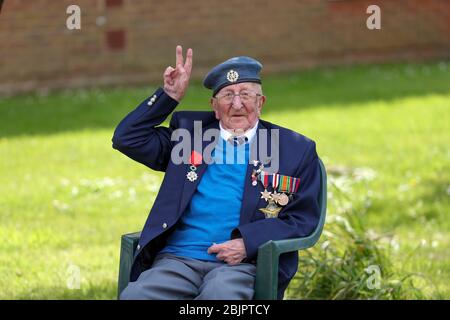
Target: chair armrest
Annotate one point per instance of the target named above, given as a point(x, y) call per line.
point(268, 260)
point(289, 245)
point(128, 246)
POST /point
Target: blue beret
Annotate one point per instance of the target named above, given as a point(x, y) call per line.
point(232, 71)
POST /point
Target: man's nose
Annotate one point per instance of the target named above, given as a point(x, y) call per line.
point(237, 103)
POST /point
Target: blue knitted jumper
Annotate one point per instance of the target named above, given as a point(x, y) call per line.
point(214, 210)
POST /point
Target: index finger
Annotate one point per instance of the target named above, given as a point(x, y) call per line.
point(179, 56)
point(214, 248)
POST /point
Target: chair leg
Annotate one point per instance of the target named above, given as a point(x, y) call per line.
point(128, 246)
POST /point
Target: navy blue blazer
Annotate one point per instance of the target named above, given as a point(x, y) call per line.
point(140, 137)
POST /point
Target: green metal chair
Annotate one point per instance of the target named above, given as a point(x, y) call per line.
point(266, 283)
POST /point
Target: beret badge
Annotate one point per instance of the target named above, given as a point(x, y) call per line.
point(232, 76)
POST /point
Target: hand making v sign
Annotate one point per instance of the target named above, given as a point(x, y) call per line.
point(176, 80)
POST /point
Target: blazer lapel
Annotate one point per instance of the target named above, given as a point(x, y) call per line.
point(190, 187)
point(252, 194)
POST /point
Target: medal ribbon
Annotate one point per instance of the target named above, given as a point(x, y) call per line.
point(280, 182)
point(287, 184)
point(264, 178)
point(195, 159)
point(275, 181)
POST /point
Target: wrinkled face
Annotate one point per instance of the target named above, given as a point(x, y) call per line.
point(238, 106)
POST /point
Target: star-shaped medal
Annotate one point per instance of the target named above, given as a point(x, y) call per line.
point(266, 195)
point(275, 196)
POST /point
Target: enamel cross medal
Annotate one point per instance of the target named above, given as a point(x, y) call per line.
point(192, 175)
point(195, 161)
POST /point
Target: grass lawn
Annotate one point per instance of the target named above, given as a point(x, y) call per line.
point(66, 196)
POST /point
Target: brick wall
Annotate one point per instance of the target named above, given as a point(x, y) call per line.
point(132, 41)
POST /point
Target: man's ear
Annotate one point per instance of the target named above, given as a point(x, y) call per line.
point(214, 107)
point(262, 100)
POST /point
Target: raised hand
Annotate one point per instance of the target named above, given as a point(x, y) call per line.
point(176, 80)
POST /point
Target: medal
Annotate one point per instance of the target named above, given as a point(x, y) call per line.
point(266, 195)
point(283, 199)
point(195, 160)
point(254, 178)
point(192, 175)
point(264, 178)
point(256, 173)
point(271, 211)
point(287, 184)
point(275, 196)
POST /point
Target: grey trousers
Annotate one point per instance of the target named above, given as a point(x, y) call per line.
point(178, 278)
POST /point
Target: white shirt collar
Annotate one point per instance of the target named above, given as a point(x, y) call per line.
point(250, 133)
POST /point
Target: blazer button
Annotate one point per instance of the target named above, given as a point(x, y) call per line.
point(139, 247)
point(164, 225)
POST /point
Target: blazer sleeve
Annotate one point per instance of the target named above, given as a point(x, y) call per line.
point(139, 135)
point(298, 219)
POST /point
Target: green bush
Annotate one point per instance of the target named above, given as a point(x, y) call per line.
point(350, 261)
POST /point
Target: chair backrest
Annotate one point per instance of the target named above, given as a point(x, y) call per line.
point(314, 237)
point(322, 200)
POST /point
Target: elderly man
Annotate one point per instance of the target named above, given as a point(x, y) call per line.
point(202, 235)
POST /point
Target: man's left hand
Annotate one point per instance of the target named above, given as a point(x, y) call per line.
point(232, 251)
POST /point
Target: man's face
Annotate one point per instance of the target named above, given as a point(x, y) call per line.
point(238, 113)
